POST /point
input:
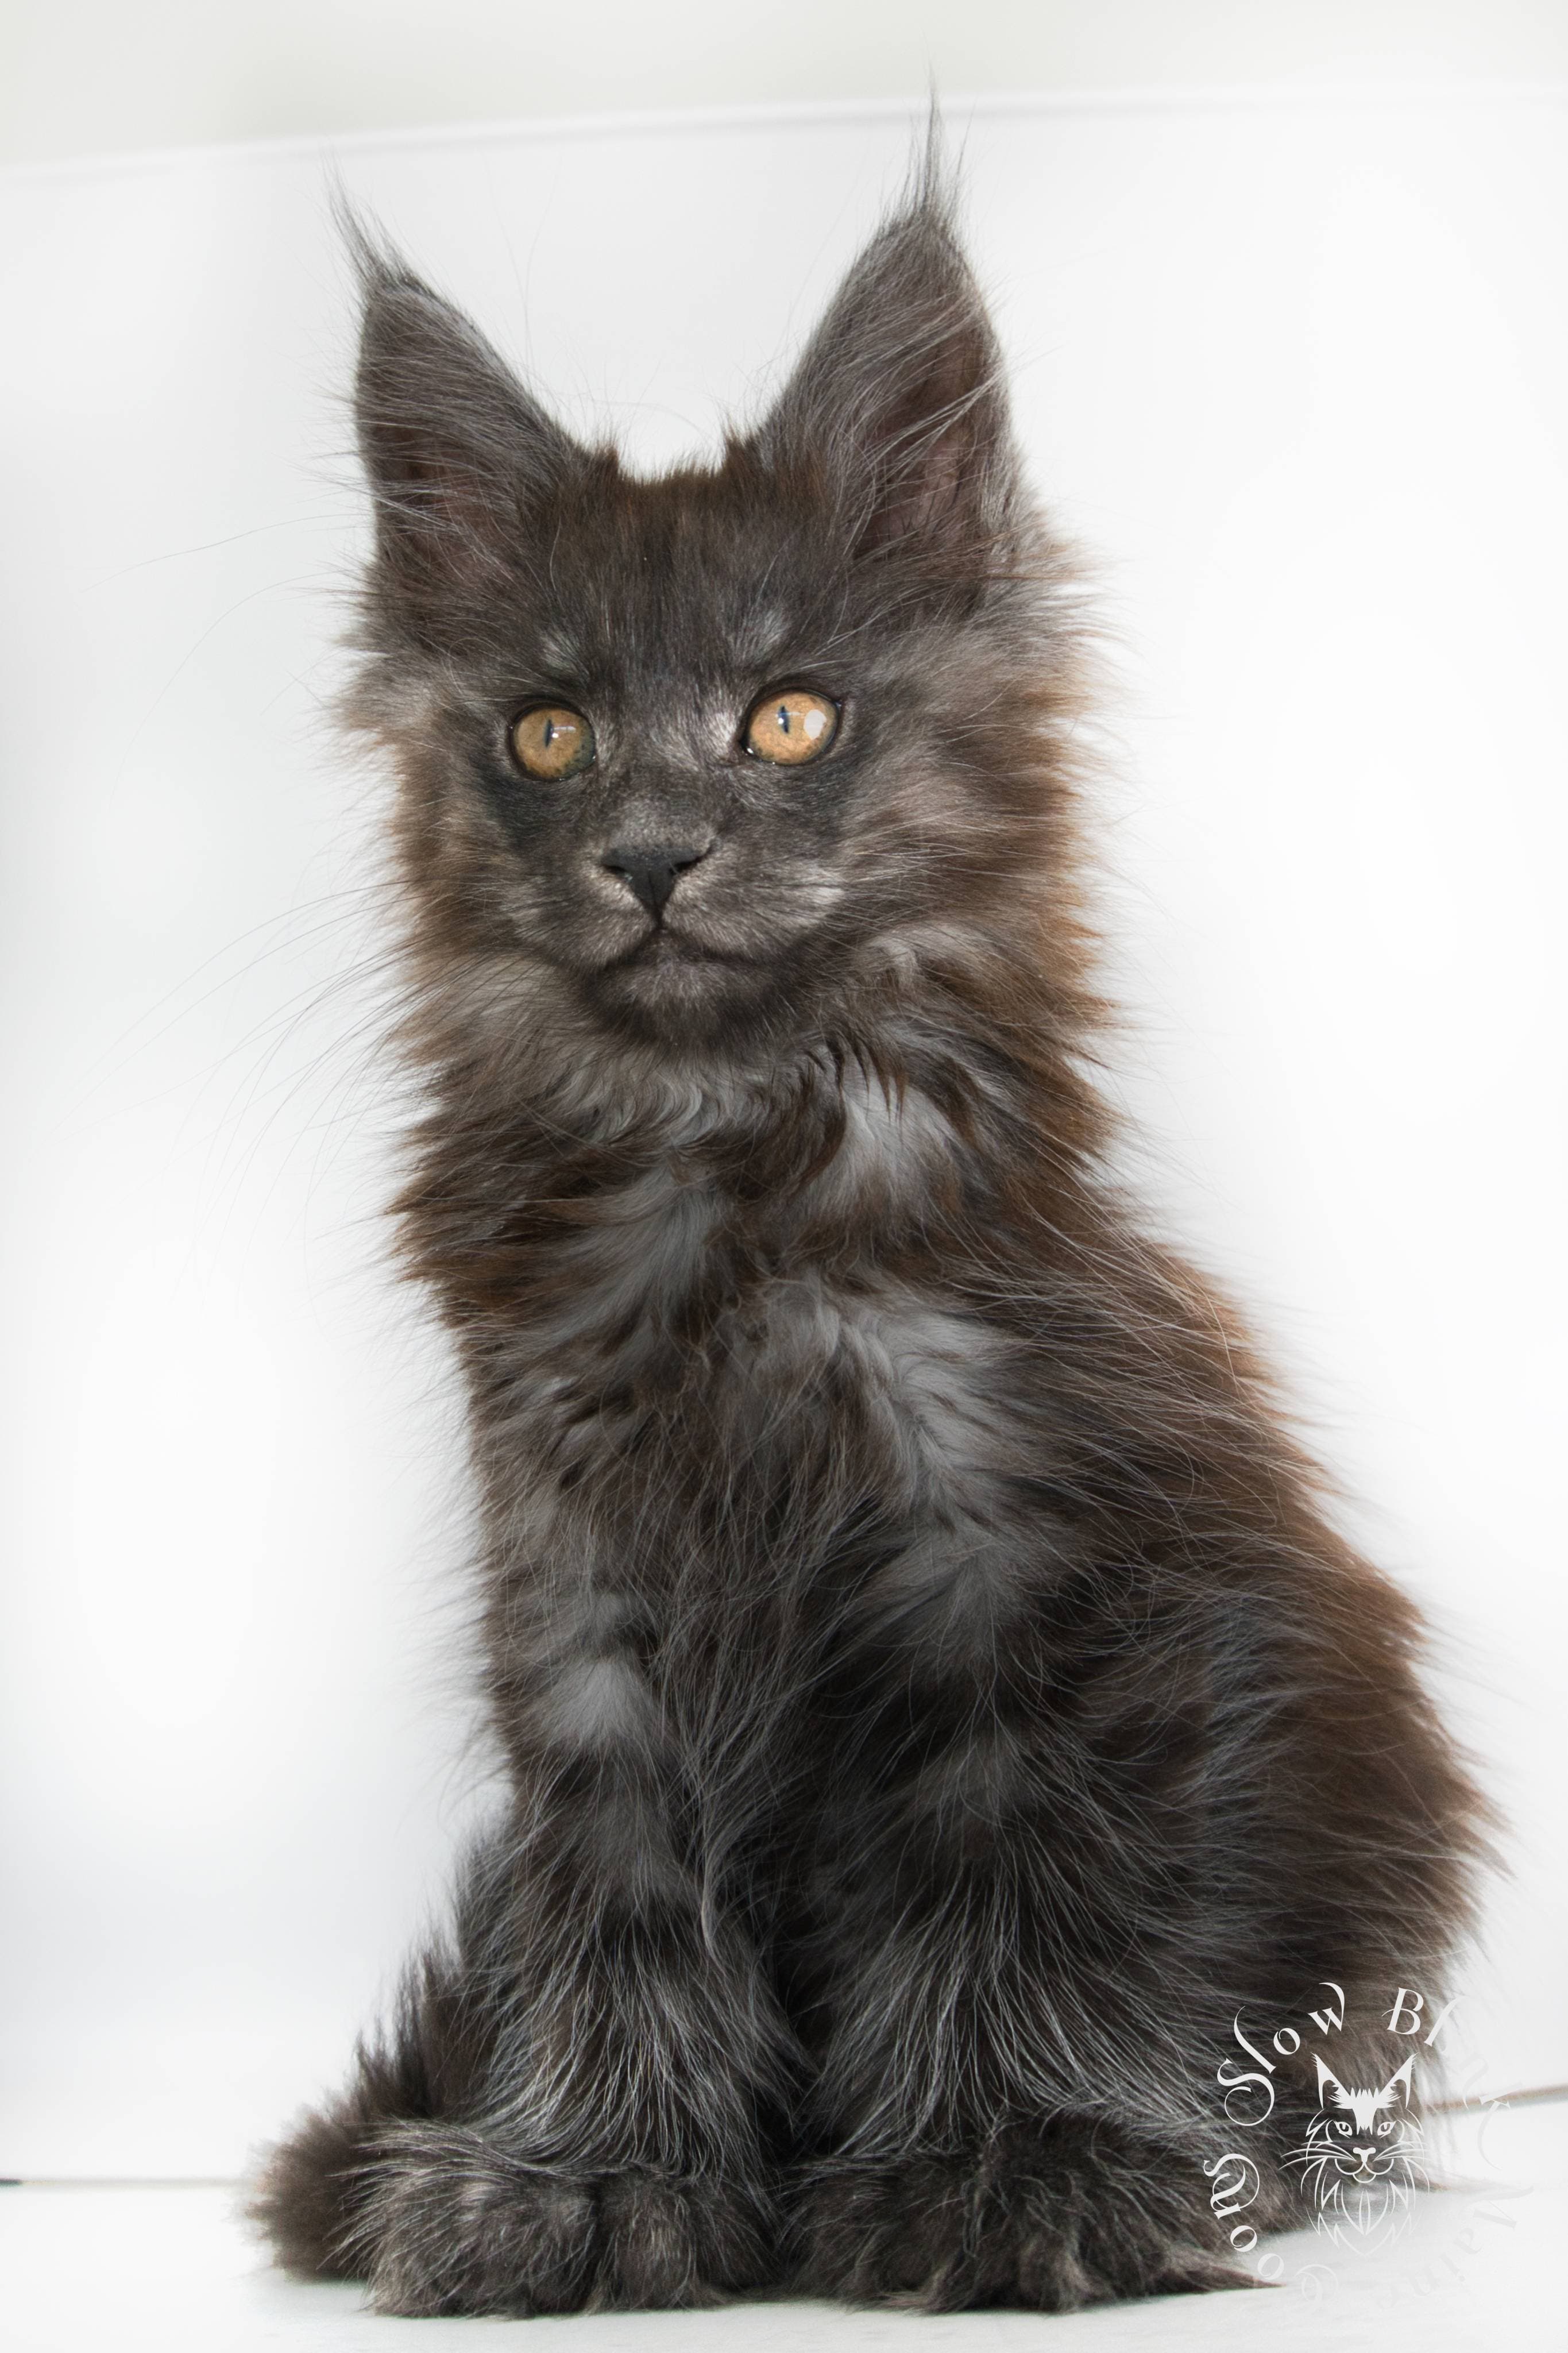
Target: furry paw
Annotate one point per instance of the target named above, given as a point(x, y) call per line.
point(1052, 2218)
point(451, 2222)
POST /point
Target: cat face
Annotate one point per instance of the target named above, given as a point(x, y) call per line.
point(1361, 2157)
point(691, 755)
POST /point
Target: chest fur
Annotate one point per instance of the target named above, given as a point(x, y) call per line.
point(671, 1343)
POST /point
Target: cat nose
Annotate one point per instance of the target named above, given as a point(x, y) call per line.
point(651, 874)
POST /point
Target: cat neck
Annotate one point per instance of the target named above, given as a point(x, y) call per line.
point(910, 1111)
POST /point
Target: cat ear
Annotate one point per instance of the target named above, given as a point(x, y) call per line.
point(899, 398)
point(1402, 2079)
point(1328, 2080)
point(457, 451)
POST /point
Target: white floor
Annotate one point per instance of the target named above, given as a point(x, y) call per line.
point(86, 2269)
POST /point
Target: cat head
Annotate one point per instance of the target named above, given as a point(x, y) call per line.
point(1361, 2115)
point(687, 761)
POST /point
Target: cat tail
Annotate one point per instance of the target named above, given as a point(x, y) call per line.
point(428, 2063)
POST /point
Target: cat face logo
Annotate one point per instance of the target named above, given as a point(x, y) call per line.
point(1362, 2156)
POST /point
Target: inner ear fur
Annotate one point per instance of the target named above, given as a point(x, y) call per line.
point(898, 397)
point(1328, 2080)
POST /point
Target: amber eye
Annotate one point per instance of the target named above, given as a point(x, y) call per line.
point(790, 726)
point(552, 742)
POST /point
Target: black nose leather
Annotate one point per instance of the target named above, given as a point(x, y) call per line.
point(651, 875)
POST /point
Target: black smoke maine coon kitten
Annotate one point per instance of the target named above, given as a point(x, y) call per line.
point(933, 1701)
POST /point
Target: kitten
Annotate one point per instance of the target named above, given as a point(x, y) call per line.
point(932, 1698)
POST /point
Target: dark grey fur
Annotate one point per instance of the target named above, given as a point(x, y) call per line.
point(933, 1699)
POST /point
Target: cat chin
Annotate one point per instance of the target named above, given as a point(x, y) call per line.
point(680, 994)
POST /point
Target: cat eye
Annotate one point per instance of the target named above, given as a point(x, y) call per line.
point(552, 742)
point(791, 724)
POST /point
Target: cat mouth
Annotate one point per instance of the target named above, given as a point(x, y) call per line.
point(660, 945)
point(681, 986)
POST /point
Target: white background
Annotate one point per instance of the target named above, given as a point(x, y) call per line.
point(1295, 370)
point(99, 77)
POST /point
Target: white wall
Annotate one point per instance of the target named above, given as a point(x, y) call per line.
point(104, 77)
point(1298, 375)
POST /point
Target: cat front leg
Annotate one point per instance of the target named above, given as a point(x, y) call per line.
point(1050, 2216)
point(1002, 2101)
point(569, 2108)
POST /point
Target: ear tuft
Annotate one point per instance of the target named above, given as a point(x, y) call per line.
point(899, 394)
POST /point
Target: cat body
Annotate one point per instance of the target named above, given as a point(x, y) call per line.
point(932, 1698)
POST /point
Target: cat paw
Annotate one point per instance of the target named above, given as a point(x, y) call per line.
point(451, 2222)
point(1051, 2220)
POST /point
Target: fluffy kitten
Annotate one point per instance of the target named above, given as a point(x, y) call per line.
point(934, 1700)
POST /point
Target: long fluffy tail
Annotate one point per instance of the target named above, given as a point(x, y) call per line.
point(429, 2062)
